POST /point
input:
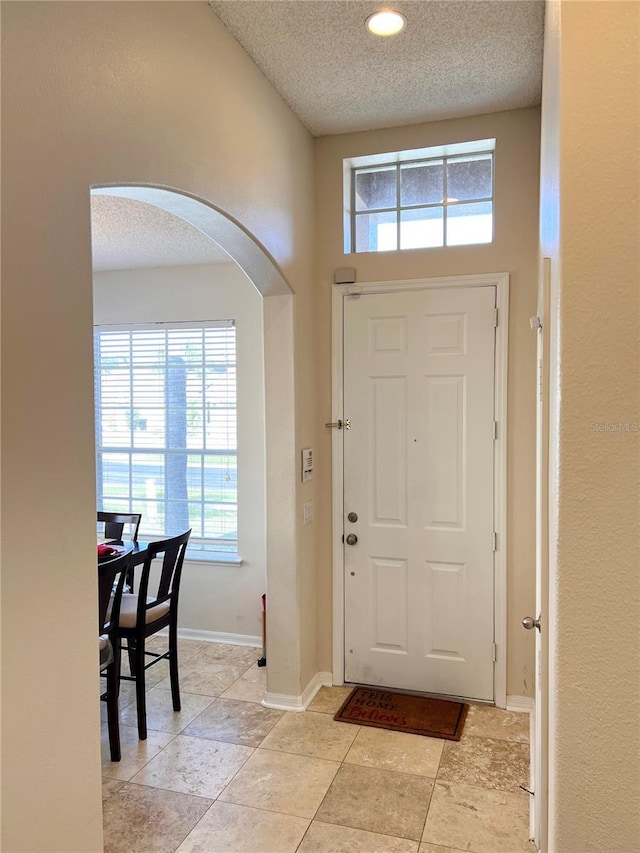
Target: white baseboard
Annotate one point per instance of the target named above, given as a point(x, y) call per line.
point(521, 704)
point(284, 702)
point(216, 637)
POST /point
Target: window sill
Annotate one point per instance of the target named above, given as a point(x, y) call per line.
point(214, 558)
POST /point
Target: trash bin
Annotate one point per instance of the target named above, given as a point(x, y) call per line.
point(263, 659)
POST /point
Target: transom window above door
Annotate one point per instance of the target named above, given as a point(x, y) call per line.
point(406, 201)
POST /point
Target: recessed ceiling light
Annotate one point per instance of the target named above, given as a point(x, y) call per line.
point(386, 22)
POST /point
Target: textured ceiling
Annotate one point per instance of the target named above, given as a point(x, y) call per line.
point(452, 59)
point(128, 234)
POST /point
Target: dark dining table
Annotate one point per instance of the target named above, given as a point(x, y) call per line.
point(138, 550)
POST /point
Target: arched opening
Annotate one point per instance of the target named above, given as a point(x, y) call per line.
point(277, 321)
point(227, 232)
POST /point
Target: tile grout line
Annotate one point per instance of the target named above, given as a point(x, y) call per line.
point(342, 763)
point(173, 738)
point(345, 826)
point(433, 790)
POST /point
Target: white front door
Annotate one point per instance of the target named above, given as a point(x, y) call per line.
point(419, 476)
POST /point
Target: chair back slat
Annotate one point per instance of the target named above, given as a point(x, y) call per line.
point(115, 523)
point(173, 552)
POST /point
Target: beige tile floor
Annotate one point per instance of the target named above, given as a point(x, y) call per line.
point(226, 774)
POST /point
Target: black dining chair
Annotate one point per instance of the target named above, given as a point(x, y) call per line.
point(120, 525)
point(145, 613)
point(111, 578)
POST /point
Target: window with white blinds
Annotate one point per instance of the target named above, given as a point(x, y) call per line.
point(166, 441)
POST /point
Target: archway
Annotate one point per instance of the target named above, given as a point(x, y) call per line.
point(283, 676)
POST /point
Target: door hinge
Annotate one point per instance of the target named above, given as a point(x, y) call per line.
point(495, 541)
point(495, 430)
point(494, 652)
point(496, 318)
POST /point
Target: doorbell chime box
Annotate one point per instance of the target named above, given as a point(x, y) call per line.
point(307, 464)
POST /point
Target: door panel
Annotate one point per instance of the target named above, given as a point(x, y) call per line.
point(419, 391)
point(444, 459)
point(444, 604)
point(391, 597)
point(388, 462)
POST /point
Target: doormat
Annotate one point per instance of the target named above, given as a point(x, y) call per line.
point(403, 712)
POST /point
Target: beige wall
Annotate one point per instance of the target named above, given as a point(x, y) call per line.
point(591, 222)
point(214, 598)
point(100, 93)
point(158, 93)
point(514, 250)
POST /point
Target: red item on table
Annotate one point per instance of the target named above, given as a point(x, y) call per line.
point(107, 551)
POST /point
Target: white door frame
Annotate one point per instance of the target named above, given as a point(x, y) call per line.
point(540, 738)
point(501, 283)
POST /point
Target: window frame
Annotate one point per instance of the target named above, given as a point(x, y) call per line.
point(398, 160)
point(205, 549)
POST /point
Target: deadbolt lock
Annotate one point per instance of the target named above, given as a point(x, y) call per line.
point(352, 517)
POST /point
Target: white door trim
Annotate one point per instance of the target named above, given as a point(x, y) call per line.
point(501, 282)
point(540, 738)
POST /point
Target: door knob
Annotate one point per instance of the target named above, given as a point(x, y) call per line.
point(351, 539)
point(529, 623)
